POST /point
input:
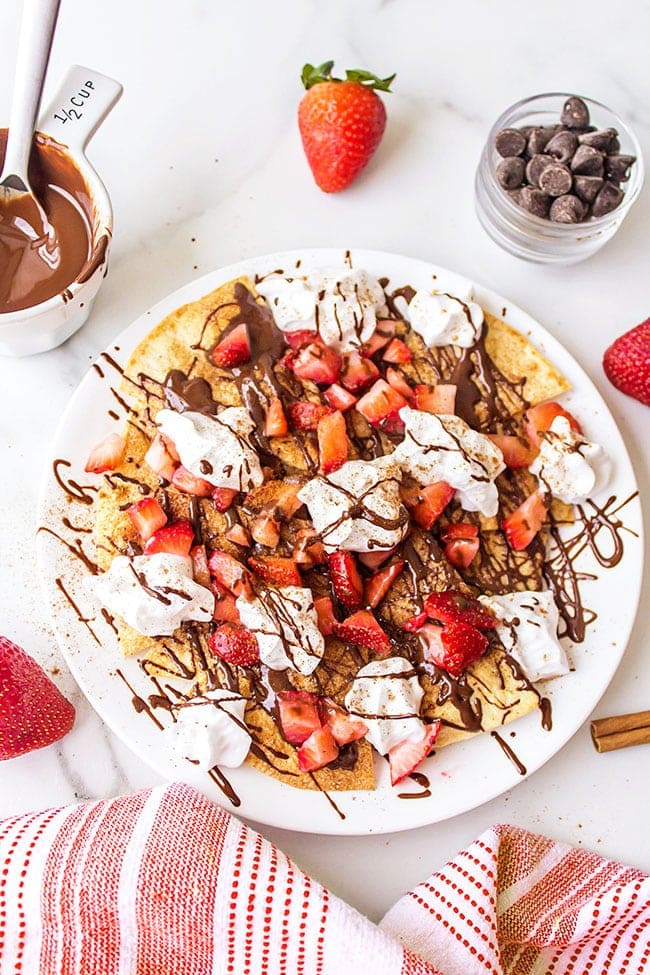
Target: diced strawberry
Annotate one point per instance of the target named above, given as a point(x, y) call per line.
point(362, 629)
point(381, 406)
point(325, 613)
point(436, 399)
point(287, 501)
point(346, 581)
point(415, 623)
point(185, 481)
point(171, 447)
point(339, 398)
point(516, 451)
point(317, 362)
point(538, 420)
point(318, 750)
point(308, 549)
point(378, 585)
point(200, 569)
point(397, 351)
point(452, 606)
point(461, 551)
point(235, 644)
point(225, 605)
point(372, 560)
point(223, 497)
point(522, 525)
point(106, 455)
point(302, 337)
point(398, 382)
point(276, 569)
point(276, 422)
point(230, 573)
point(238, 535)
point(299, 715)
point(305, 415)
point(405, 757)
point(174, 539)
point(426, 504)
point(430, 636)
point(266, 531)
point(458, 529)
point(233, 349)
point(147, 517)
point(460, 645)
point(381, 336)
point(333, 442)
point(358, 372)
point(343, 726)
point(159, 459)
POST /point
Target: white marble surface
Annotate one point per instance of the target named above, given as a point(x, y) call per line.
point(204, 165)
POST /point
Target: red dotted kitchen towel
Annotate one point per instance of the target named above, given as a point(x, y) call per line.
point(165, 883)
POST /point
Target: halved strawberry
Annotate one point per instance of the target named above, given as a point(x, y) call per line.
point(276, 422)
point(225, 605)
point(302, 337)
point(317, 362)
point(522, 525)
point(325, 613)
point(461, 551)
point(398, 382)
point(333, 442)
point(272, 568)
point(308, 550)
point(147, 517)
point(343, 726)
point(415, 623)
point(200, 569)
point(238, 535)
point(265, 529)
point(405, 757)
point(230, 573)
point(235, 644)
point(346, 581)
point(538, 420)
point(299, 715)
point(223, 497)
point(358, 372)
point(453, 606)
point(381, 406)
point(460, 645)
point(159, 459)
point(397, 351)
point(318, 750)
point(436, 399)
point(516, 451)
point(339, 398)
point(233, 349)
point(185, 481)
point(378, 585)
point(175, 539)
point(381, 336)
point(426, 504)
point(304, 414)
point(106, 455)
point(362, 629)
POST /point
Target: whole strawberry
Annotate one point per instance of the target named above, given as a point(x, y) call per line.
point(33, 712)
point(341, 123)
point(627, 362)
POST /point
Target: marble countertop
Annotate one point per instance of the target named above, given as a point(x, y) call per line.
point(203, 162)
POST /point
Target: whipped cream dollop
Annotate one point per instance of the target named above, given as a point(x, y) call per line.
point(528, 630)
point(358, 507)
point(286, 626)
point(341, 305)
point(568, 465)
point(386, 695)
point(442, 447)
point(210, 730)
point(154, 593)
point(444, 319)
point(216, 448)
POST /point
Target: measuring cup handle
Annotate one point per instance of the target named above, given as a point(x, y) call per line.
point(81, 104)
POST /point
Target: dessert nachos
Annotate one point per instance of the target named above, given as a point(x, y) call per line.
point(324, 531)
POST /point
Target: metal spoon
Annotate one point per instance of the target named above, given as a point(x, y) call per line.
point(24, 227)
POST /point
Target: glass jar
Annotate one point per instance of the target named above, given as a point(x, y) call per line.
point(533, 238)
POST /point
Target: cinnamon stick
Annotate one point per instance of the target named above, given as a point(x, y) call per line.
point(621, 731)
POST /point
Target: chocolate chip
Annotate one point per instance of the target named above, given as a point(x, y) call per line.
point(536, 167)
point(562, 146)
point(510, 172)
point(575, 113)
point(607, 200)
point(556, 180)
point(587, 161)
point(618, 167)
point(568, 209)
point(535, 202)
point(615, 145)
point(587, 187)
point(600, 139)
point(539, 137)
point(509, 142)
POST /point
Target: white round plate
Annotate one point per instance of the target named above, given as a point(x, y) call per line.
point(463, 775)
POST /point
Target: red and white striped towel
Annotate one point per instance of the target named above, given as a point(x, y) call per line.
point(165, 883)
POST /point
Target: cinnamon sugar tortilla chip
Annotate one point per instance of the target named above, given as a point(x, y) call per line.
point(519, 361)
